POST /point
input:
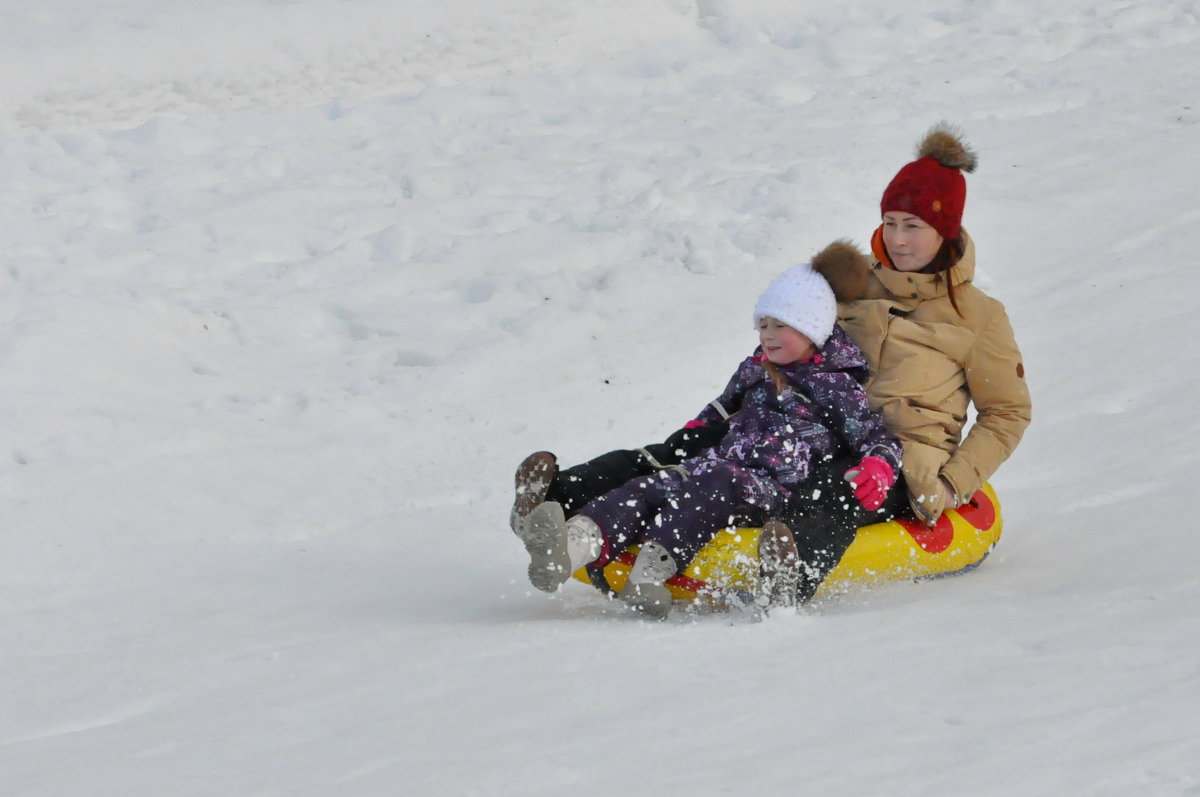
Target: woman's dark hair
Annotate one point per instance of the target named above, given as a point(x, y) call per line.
point(947, 257)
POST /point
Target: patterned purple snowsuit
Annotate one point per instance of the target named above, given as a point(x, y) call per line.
point(773, 441)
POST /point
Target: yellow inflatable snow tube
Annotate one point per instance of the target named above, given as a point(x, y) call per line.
point(897, 550)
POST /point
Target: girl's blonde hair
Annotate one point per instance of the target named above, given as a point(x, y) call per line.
point(776, 375)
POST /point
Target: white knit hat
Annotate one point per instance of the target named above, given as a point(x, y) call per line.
point(802, 299)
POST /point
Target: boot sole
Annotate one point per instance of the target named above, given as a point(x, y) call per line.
point(546, 543)
point(531, 483)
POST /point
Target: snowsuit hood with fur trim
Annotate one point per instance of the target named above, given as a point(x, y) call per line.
point(928, 363)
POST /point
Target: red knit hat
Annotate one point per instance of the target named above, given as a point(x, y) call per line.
point(932, 187)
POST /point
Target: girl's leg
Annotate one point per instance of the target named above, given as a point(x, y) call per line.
point(627, 514)
point(682, 514)
point(621, 517)
point(696, 509)
point(603, 528)
point(672, 517)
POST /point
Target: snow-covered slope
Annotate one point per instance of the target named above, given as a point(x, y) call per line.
point(287, 290)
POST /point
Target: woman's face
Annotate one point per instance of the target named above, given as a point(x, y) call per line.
point(782, 344)
point(910, 242)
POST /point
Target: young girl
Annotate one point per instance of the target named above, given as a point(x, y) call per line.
point(796, 401)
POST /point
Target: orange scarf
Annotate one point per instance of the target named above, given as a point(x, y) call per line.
point(878, 249)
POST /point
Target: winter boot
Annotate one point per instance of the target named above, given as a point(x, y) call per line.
point(533, 478)
point(557, 547)
point(779, 566)
point(645, 590)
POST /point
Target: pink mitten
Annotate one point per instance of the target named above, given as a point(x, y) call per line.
point(871, 481)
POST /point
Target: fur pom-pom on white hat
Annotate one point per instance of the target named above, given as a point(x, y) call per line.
point(801, 298)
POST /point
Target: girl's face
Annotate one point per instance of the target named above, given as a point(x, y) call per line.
point(910, 242)
point(782, 344)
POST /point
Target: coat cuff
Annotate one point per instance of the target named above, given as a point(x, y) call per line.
point(955, 477)
point(888, 455)
point(929, 509)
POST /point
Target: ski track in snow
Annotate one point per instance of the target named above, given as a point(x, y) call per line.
point(288, 289)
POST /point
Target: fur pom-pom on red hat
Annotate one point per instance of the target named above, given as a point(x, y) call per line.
point(932, 187)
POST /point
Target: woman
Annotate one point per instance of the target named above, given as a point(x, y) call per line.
point(935, 343)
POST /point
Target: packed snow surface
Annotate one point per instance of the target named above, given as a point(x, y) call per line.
point(289, 288)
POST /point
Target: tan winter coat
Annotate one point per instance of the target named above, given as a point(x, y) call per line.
point(927, 363)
